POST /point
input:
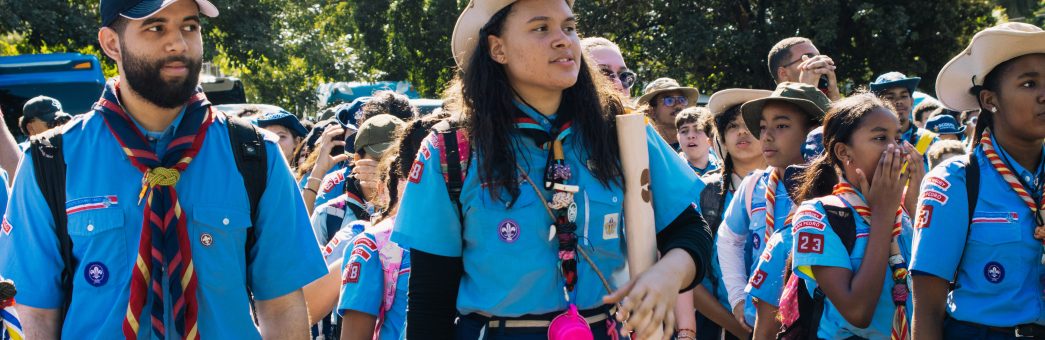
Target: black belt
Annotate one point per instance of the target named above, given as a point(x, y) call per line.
point(593, 315)
point(1027, 331)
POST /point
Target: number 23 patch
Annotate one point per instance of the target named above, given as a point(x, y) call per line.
point(810, 243)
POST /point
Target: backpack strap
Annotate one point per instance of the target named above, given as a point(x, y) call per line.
point(972, 190)
point(50, 168)
point(248, 149)
point(749, 190)
point(454, 154)
point(841, 219)
point(710, 204)
point(391, 257)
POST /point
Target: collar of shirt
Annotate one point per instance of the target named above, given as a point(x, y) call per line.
point(1029, 178)
point(907, 135)
point(159, 140)
point(542, 120)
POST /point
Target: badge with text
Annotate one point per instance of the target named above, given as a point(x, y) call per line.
point(810, 243)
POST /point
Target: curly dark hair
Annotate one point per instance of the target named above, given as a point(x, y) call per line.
point(386, 102)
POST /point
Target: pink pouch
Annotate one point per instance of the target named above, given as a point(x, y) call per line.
point(570, 325)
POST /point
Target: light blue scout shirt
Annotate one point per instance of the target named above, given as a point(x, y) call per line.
point(495, 234)
point(816, 244)
point(713, 164)
point(767, 280)
point(330, 217)
point(337, 168)
point(333, 183)
point(1000, 272)
point(737, 221)
point(105, 224)
point(363, 284)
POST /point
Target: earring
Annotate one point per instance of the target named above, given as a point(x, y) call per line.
point(994, 109)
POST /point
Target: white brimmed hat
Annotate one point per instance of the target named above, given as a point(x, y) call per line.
point(987, 49)
point(723, 100)
point(466, 32)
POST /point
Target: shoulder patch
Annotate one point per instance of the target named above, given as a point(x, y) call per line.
point(925, 216)
point(939, 182)
point(933, 195)
point(810, 243)
point(757, 279)
point(809, 224)
point(6, 227)
point(351, 273)
point(416, 171)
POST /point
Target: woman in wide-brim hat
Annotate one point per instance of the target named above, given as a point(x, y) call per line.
point(534, 138)
point(981, 219)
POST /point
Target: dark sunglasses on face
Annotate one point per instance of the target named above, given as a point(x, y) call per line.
point(627, 78)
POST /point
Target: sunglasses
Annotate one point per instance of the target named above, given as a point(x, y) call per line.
point(672, 100)
point(627, 78)
point(810, 55)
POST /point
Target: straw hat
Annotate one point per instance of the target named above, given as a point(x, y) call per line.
point(466, 32)
point(987, 49)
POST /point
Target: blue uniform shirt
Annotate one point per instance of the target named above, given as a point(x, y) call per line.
point(494, 232)
point(333, 183)
point(363, 283)
point(816, 244)
point(713, 164)
point(999, 271)
point(105, 223)
point(767, 280)
point(330, 217)
point(753, 225)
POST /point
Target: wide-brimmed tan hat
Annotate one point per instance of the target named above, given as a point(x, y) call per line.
point(662, 85)
point(987, 49)
point(723, 100)
point(808, 98)
point(466, 32)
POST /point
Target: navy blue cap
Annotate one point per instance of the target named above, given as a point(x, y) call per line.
point(141, 9)
point(944, 124)
point(895, 79)
point(285, 119)
point(814, 145)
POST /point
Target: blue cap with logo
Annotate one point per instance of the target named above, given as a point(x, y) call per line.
point(944, 124)
point(285, 119)
point(141, 9)
point(894, 79)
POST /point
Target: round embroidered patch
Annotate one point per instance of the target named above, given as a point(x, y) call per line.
point(96, 274)
point(508, 230)
point(756, 241)
point(206, 239)
point(994, 272)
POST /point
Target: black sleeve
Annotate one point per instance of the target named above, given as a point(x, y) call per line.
point(432, 295)
point(688, 232)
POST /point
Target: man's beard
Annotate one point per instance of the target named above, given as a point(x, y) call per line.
point(144, 77)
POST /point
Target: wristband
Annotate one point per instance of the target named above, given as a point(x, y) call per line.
point(314, 192)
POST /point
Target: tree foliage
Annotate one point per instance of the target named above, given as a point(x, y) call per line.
point(283, 50)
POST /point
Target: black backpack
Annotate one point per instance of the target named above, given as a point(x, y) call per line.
point(248, 148)
point(843, 223)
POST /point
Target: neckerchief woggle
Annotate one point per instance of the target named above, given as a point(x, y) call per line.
point(164, 247)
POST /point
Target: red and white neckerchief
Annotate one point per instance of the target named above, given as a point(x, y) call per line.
point(1037, 209)
point(774, 179)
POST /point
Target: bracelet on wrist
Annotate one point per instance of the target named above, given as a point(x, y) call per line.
point(314, 192)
